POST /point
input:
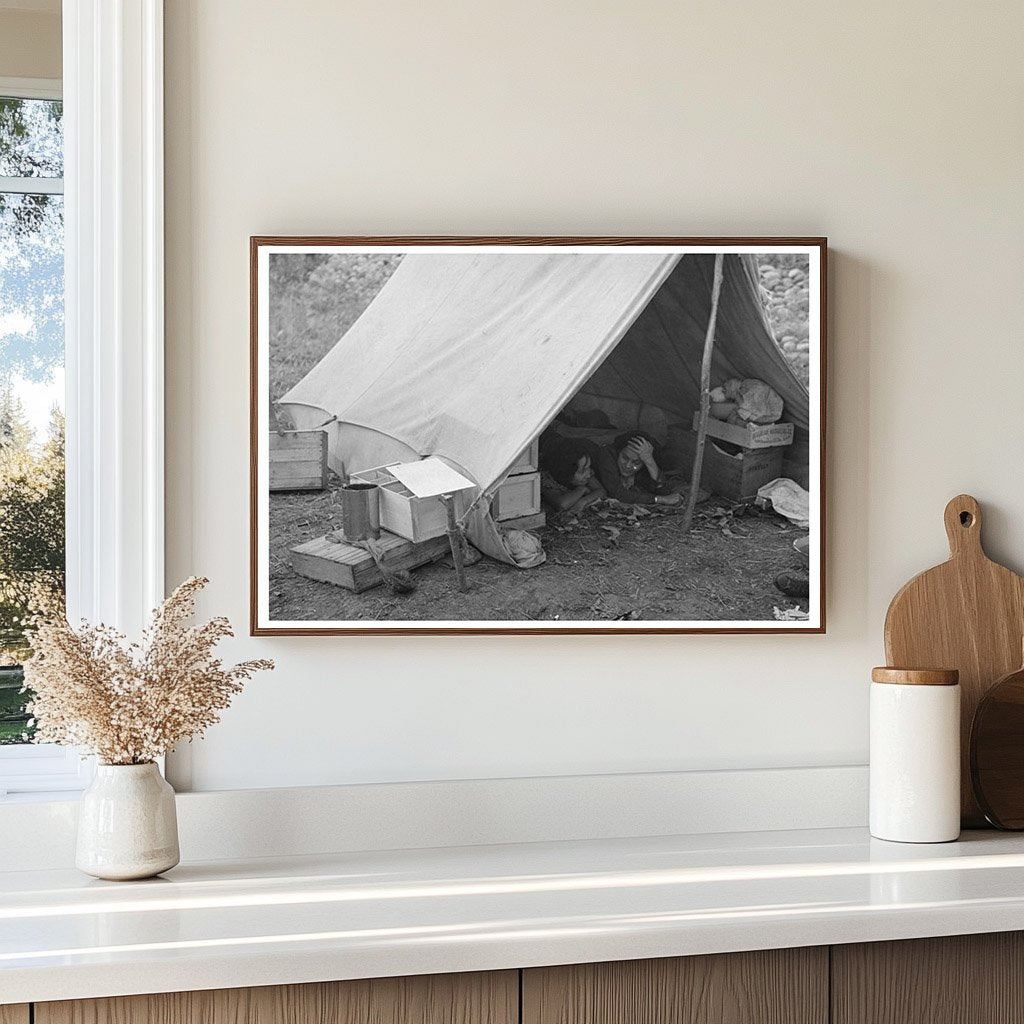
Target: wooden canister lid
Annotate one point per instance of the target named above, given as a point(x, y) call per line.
point(916, 676)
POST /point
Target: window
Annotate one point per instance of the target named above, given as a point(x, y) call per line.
point(112, 208)
point(32, 531)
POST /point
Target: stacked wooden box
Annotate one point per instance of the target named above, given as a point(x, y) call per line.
point(298, 460)
point(402, 512)
point(519, 495)
point(758, 460)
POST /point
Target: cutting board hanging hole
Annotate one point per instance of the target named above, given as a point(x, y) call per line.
point(963, 526)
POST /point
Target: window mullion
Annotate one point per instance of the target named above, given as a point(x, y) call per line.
point(32, 186)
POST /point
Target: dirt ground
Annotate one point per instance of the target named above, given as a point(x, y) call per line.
point(612, 562)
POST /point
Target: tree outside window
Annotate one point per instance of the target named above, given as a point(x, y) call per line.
point(31, 386)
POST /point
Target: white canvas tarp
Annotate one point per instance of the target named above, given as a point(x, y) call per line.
point(470, 356)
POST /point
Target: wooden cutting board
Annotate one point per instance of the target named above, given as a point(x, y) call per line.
point(967, 614)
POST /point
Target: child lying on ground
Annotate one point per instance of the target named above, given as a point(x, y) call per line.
point(567, 481)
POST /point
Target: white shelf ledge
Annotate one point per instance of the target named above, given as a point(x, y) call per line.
point(355, 915)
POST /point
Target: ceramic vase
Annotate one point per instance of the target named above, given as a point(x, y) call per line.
point(127, 825)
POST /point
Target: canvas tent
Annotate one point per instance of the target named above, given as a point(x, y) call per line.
point(469, 356)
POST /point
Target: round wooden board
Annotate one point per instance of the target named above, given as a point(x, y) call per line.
point(997, 752)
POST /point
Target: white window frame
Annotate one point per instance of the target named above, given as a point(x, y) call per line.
point(114, 265)
point(40, 767)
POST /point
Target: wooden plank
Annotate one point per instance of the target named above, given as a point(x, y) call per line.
point(306, 453)
point(279, 466)
point(750, 435)
point(297, 469)
point(778, 986)
point(14, 1014)
point(537, 521)
point(960, 979)
point(353, 568)
point(308, 482)
point(302, 440)
point(480, 998)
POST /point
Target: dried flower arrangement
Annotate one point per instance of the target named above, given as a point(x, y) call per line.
point(130, 703)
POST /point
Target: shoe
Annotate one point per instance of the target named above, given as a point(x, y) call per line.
point(794, 583)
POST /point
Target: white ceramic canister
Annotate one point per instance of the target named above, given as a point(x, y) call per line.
point(915, 755)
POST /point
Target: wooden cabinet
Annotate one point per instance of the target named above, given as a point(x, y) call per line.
point(778, 986)
point(962, 979)
point(491, 998)
point(968, 979)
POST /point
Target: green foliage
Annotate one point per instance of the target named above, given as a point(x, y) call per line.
point(14, 719)
point(314, 300)
point(31, 548)
point(31, 145)
point(31, 524)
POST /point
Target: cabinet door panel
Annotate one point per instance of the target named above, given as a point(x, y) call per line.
point(960, 979)
point(14, 1014)
point(484, 998)
point(778, 986)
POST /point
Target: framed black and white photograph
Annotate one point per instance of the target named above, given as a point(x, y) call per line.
point(537, 435)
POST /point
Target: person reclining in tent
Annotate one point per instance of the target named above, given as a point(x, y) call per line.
point(567, 481)
point(629, 472)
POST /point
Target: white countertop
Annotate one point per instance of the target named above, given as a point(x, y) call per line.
point(352, 915)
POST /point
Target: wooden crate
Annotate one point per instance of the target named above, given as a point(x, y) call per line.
point(353, 568)
point(401, 512)
point(730, 476)
point(298, 460)
point(529, 459)
point(518, 496)
point(739, 476)
point(750, 435)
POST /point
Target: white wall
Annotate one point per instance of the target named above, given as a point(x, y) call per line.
point(894, 129)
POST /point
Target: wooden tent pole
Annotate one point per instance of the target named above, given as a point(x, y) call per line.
point(455, 540)
point(705, 392)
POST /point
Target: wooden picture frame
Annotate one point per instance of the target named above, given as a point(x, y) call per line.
point(469, 349)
